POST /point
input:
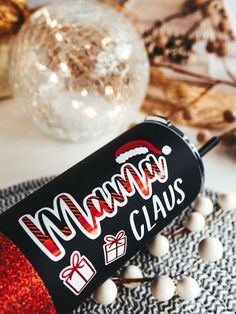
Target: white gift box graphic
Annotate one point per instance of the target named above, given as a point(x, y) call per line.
point(115, 247)
point(78, 274)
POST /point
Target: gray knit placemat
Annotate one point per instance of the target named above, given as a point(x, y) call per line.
point(217, 280)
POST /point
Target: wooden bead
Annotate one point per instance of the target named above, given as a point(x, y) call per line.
point(203, 205)
point(210, 249)
point(187, 289)
point(227, 201)
point(195, 222)
point(159, 246)
point(132, 271)
point(106, 293)
point(162, 288)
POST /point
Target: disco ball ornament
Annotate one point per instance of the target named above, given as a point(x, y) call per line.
point(79, 69)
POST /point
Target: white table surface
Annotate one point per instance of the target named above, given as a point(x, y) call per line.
point(26, 153)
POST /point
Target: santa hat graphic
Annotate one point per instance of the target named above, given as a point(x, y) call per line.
point(138, 147)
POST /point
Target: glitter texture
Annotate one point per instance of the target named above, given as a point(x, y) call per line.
point(79, 69)
point(21, 289)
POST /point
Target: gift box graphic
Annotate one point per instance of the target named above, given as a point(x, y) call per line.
point(115, 247)
point(78, 274)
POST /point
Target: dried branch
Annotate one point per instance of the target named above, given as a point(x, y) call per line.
point(205, 91)
point(193, 28)
point(191, 10)
point(204, 78)
point(228, 71)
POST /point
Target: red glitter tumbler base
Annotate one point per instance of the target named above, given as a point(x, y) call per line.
point(21, 289)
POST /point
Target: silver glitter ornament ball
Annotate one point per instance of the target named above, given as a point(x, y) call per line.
point(79, 69)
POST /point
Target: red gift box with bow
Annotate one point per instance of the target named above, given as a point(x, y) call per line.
point(78, 274)
point(115, 247)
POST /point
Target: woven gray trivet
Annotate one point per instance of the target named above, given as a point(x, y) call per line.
point(217, 280)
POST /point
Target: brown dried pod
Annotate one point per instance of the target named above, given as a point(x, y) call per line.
point(223, 25)
point(222, 12)
point(187, 115)
point(211, 46)
point(161, 41)
point(158, 24)
point(229, 116)
point(222, 49)
point(203, 136)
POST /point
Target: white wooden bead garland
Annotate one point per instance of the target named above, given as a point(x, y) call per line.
point(164, 287)
point(159, 246)
point(132, 271)
point(195, 222)
point(187, 289)
point(227, 201)
point(203, 205)
point(210, 249)
point(106, 293)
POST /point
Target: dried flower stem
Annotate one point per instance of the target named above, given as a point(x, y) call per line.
point(178, 15)
point(228, 71)
point(194, 101)
point(205, 78)
point(181, 101)
point(193, 28)
point(186, 103)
